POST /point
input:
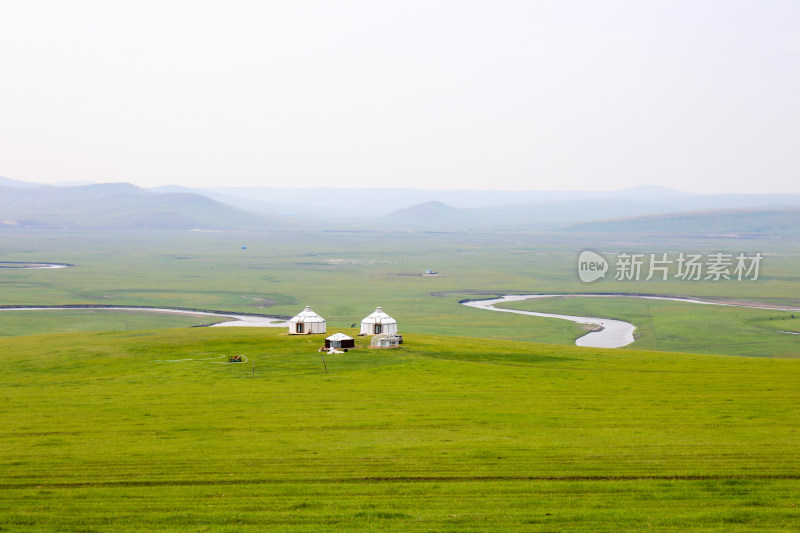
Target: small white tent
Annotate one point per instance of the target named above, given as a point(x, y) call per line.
point(378, 323)
point(340, 340)
point(306, 322)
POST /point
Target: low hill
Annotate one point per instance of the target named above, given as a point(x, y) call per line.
point(428, 214)
point(438, 216)
point(261, 206)
point(120, 206)
point(718, 222)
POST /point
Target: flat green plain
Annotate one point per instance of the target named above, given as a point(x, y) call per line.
point(481, 421)
point(143, 431)
point(345, 275)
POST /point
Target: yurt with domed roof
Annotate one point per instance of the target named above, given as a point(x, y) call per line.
point(378, 323)
point(307, 322)
point(337, 341)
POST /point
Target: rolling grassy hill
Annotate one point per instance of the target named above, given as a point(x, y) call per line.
point(121, 206)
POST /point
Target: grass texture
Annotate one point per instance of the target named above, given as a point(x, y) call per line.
point(144, 430)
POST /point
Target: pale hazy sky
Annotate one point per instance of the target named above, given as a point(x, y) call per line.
point(697, 95)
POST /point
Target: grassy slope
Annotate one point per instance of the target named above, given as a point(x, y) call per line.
point(444, 434)
point(686, 327)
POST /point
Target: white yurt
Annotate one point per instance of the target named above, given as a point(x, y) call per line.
point(339, 341)
point(378, 323)
point(306, 323)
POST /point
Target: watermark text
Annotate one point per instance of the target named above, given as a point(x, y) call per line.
point(663, 266)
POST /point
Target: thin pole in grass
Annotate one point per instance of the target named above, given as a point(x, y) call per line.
point(323, 362)
point(254, 367)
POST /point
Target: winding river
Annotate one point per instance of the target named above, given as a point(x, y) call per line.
point(610, 333)
point(29, 266)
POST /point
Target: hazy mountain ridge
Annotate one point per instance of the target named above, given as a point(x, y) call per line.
point(712, 222)
point(254, 205)
point(120, 206)
point(371, 202)
point(648, 208)
point(374, 202)
point(8, 182)
point(588, 215)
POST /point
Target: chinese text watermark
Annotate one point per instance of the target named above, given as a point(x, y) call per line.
point(663, 266)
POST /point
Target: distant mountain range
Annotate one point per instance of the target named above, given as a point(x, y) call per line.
point(585, 216)
point(731, 222)
point(469, 210)
point(591, 205)
point(545, 216)
point(120, 206)
point(8, 182)
point(372, 202)
point(642, 209)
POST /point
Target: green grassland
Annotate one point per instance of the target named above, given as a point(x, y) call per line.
point(345, 275)
point(686, 327)
point(107, 431)
point(13, 323)
point(108, 423)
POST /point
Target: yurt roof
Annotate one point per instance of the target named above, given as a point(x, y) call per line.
point(379, 317)
point(339, 337)
point(307, 315)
